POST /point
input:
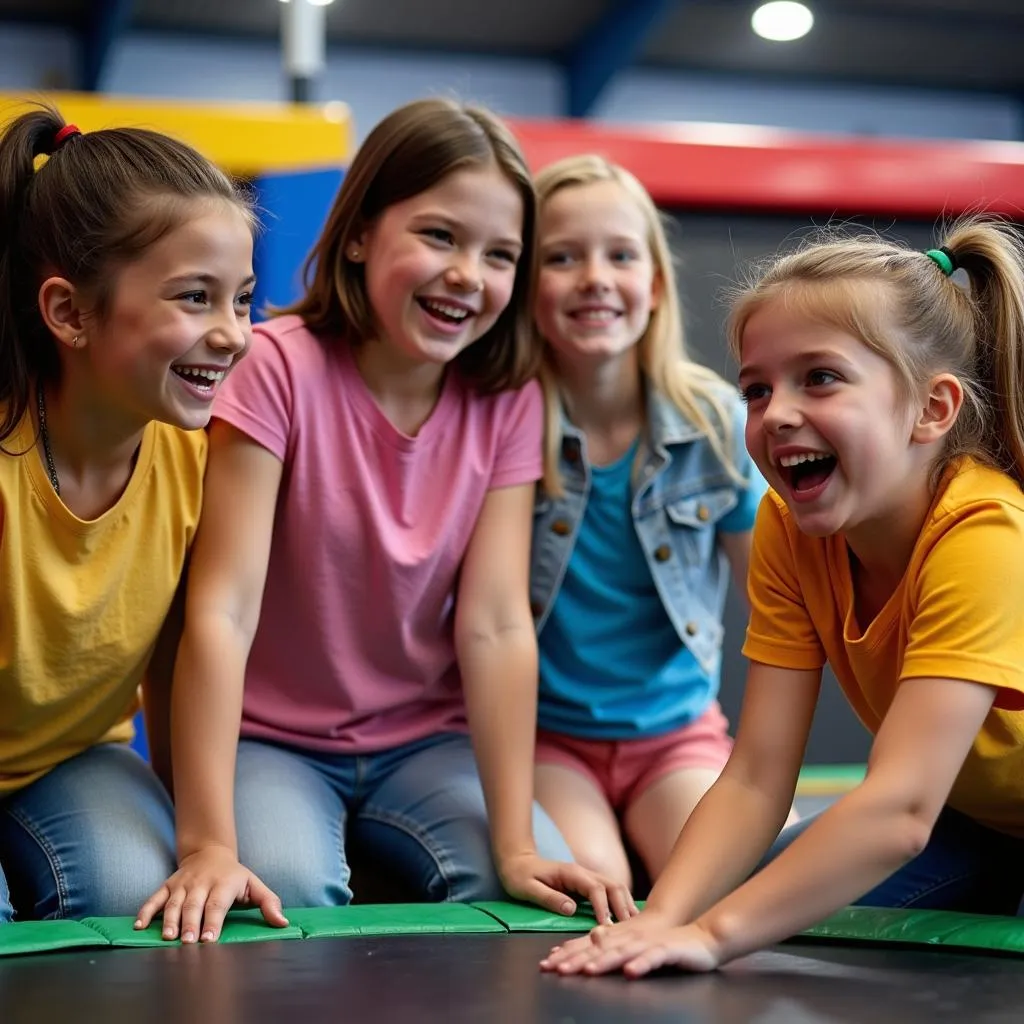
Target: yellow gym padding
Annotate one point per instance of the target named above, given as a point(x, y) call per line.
point(244, 139)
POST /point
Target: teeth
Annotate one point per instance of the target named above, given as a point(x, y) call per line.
point(600, 315)
point(455, 312)
point(794, 460)
point(197, 373)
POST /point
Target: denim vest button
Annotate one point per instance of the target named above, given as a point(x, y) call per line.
point(662, 552)
point(691, 629)
point(561, 527)
point(703, 513)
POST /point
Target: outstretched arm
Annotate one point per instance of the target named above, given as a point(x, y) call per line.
point(225, 591)
point(852, 847)
point(734, 823)
point(496, 647)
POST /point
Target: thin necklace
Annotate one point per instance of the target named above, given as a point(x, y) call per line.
point(45, 434)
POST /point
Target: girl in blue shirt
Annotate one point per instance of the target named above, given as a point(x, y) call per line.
point(648, 500)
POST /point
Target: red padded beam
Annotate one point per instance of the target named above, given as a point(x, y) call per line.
point(741, 167)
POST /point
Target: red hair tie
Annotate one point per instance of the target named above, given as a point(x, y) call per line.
point(67, 132)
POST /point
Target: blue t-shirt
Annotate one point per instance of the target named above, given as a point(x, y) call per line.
point(611, 664)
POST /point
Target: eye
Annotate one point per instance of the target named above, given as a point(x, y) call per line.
point(244, 302)
point(504, 256)
point(821, 378)
point(624, 256)
point(442, 235)
point(195, 298)
point(754, 392)
point(557, 258)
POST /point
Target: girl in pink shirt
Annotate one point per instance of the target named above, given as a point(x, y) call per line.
point(363, 557)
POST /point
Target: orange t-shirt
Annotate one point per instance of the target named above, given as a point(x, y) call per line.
point(958, 613)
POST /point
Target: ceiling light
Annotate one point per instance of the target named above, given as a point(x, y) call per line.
point(782, 21)
point(314, 3)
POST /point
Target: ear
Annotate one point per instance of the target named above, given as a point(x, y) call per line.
point(62, 309)
point(355, 248)
point(937, 414)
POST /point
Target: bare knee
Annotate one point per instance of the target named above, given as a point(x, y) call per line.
point(610, 863)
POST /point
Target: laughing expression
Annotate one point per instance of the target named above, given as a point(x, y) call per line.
point(441, 266)
point(826, 425)
point(177, 321)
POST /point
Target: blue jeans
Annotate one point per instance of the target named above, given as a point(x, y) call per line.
point(964, 867)
point(416, 810)
point(94, 836)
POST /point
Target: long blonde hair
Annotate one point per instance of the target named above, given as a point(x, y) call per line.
point(900, 303)
point(694, 389)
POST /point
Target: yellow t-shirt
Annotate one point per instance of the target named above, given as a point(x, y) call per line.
point(82, 603)
point(958, 613)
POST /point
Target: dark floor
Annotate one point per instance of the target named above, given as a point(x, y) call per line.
point(494, 979)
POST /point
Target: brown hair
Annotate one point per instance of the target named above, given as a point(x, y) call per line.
point(904, 307)
point(410, 151)
point(695, 390)
point(99, 201)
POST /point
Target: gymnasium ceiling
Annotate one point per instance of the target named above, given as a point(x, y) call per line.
point(975, 45)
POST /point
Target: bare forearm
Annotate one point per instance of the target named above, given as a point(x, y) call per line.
point(499, 681)
point(206, 709)
point(855, 845)
point(725, 837)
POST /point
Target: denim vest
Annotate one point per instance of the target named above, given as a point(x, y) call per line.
point(680, 492)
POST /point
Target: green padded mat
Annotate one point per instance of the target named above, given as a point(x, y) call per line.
point(523, 917)
point(47, 937)
point(240, 926)
point(393, 919)
point(829, 779)
point(935, 929)
point(945, 928)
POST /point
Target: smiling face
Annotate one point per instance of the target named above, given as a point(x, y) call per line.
point(441, 266)
point(827, 424)
point(177, 319)
point(598, 283)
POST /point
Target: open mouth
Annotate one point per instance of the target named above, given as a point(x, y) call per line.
point(446, 312)
point(201, 379)
point(808, 472)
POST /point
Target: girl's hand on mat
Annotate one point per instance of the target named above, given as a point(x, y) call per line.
point(534, 879)
point(207, 884)
point(603, 943)
point(636, 953)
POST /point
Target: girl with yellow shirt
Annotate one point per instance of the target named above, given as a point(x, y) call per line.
point(885, 406)
point(125, 283)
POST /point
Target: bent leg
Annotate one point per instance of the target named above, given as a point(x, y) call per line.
point(655, 817)
point(585, 818)
point(92, 837)
point(426, 820)
point(290, 818)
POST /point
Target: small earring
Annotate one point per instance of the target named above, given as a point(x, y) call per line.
point(355, 254)
point(76, 340)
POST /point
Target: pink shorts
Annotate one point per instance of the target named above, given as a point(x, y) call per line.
point(623, 769)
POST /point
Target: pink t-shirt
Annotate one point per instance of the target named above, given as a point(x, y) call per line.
point(354, 651)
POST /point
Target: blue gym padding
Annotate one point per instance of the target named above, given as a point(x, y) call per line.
point(292, 208)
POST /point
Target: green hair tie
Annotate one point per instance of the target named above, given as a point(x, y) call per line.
point(943, 258)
